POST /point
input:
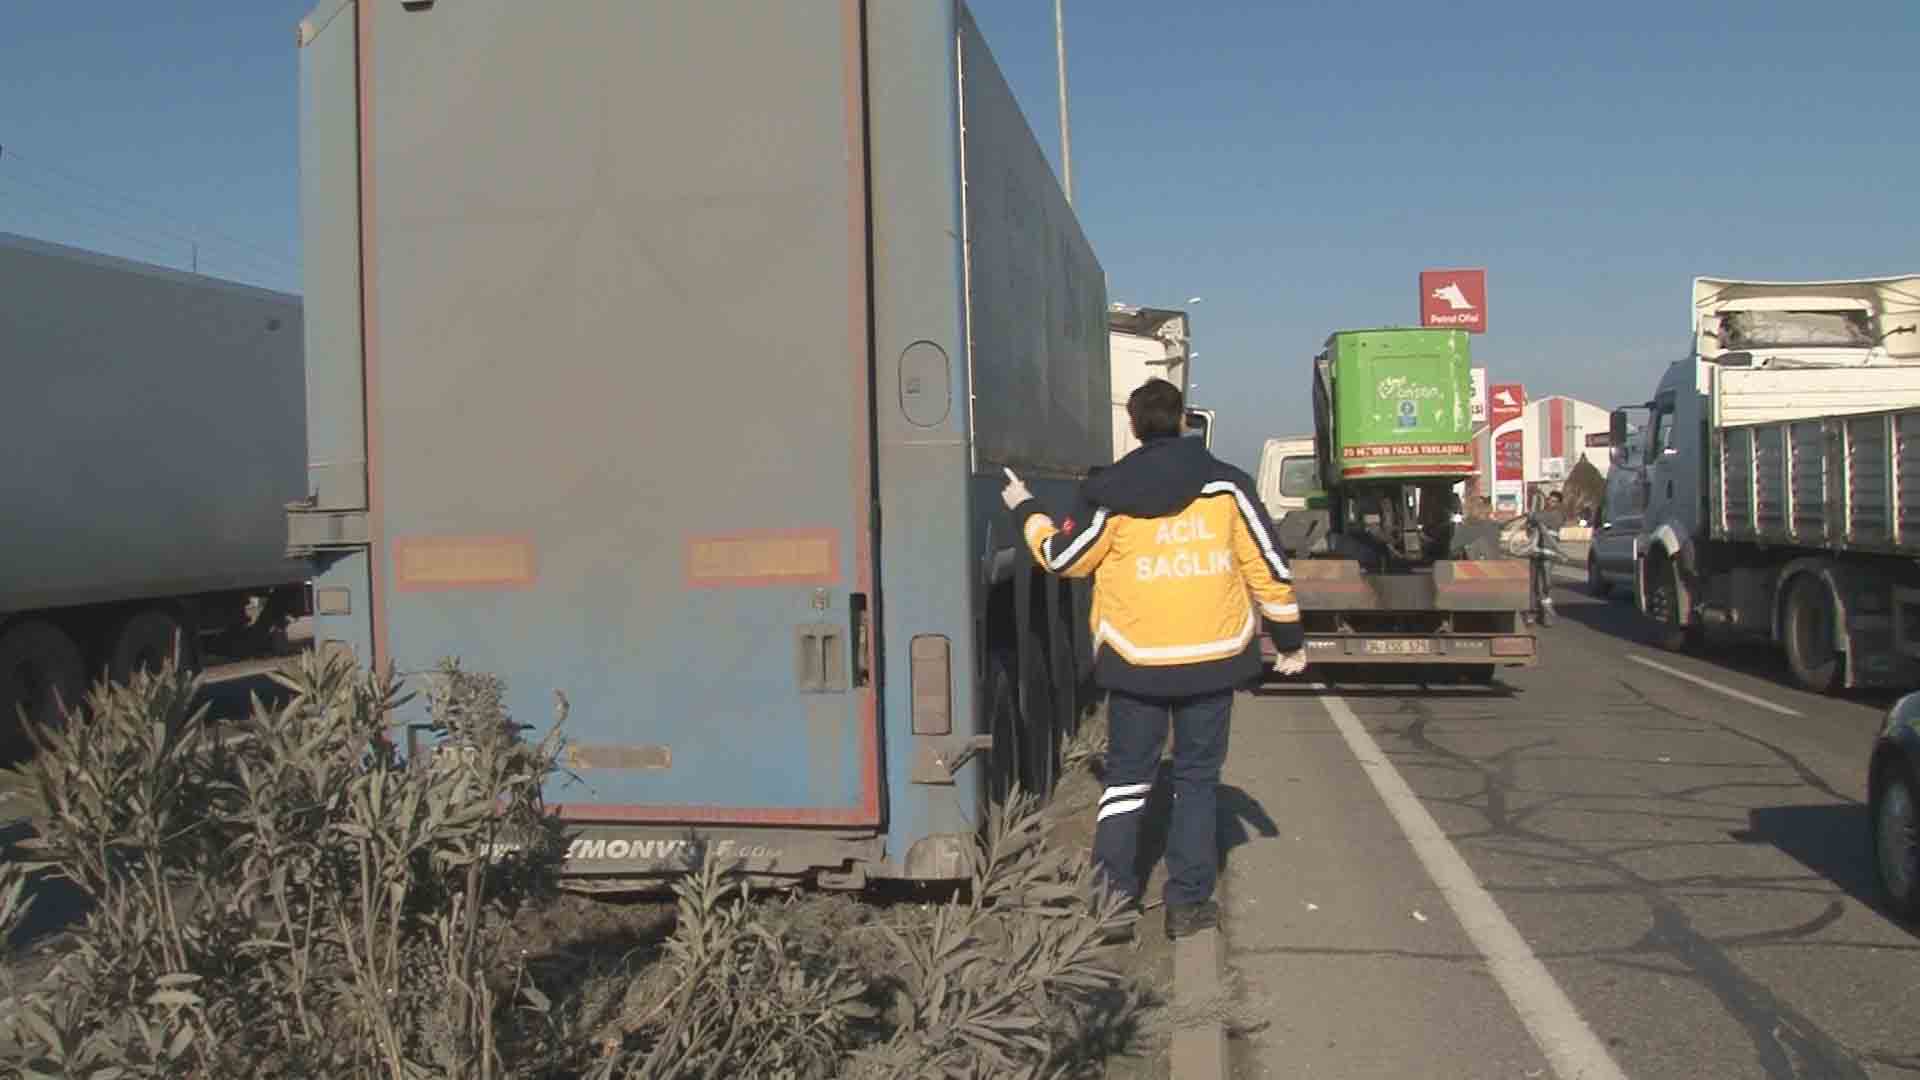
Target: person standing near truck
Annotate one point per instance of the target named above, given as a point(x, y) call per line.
point(1185, 572)
point(1546, 523)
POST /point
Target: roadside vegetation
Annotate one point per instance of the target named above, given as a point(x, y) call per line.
point(296, 897)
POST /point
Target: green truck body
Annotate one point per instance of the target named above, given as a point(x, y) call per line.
point(1400, 405)
point(1381, 564)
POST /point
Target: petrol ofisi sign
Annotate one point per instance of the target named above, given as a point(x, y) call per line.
point(1454, 300)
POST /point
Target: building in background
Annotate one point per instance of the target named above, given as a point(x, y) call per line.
point(1561, 430)
point(1528, 447)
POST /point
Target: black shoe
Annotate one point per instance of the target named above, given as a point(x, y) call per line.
point(1185, 920)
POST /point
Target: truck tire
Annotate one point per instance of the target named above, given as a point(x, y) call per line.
point(40, 670)
point(1596, 583)
point(1039, 724)
point(1808, 631)
point(147, 640)
point(1663, 604)
point(1003, 723)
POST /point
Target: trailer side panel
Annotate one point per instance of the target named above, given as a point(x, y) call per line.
point(152, 427)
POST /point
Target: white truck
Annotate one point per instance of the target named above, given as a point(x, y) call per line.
point(1782, 478)
point(1200, 423)
point(152, 429)
point(1288, 475)
point(1147, 343)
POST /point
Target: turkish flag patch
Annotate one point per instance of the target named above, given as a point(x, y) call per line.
point(1066, 527)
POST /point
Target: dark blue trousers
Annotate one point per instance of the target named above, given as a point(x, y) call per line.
point(1137, 733)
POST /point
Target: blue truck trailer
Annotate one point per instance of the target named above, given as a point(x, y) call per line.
point(667, 356)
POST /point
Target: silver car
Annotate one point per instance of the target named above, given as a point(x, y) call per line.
point(1612, 555)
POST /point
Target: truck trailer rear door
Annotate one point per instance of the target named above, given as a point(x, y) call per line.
point(620, 439)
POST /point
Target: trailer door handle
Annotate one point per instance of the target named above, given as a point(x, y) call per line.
point(821, 665)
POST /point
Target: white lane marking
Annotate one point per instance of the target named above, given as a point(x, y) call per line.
point(1737, 695)
point(1572, 1048)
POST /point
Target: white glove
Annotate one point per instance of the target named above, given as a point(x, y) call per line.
point(1015, 492)
point(1290, 663)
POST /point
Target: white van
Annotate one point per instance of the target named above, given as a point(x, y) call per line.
point(1287, 474)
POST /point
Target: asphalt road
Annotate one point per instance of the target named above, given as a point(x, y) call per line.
point(1655, 878)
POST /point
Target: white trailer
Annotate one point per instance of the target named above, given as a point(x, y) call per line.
point(1782, 477)
point(152, 430)
point(1145, 343)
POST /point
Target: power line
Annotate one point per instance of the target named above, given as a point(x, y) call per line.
point(69, 215)
point(53, 204)
point(281, 259)
point(191, 243)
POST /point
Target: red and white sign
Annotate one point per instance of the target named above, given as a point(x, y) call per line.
point(1509, 456)
point(1506, 408)
point(1454, 300)
point(1505, 401)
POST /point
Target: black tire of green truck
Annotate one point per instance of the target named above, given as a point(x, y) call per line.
point(1815, 663)
point(40, 671)
point(1477, 674)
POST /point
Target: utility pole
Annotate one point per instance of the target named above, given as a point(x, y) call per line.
point(1066, 137)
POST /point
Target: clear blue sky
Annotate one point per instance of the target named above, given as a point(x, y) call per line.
point(1293, 164)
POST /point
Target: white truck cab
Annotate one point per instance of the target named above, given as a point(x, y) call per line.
point(1772, 468)
point(1287, 474)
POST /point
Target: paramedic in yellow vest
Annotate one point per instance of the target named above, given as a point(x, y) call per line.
point(1186, 573)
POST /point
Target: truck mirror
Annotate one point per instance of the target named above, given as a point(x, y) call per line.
point(1617, 428)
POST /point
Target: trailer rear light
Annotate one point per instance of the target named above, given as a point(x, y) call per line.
point(932, 662)
point(1513, 646)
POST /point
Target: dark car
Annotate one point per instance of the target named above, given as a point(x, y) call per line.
point(1890, 795)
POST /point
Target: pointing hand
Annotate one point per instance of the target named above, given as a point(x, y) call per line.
point(1015, 492)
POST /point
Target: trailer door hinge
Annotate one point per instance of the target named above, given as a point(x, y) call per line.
point(312, 529)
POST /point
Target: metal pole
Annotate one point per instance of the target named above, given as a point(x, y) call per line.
point(1066, 137)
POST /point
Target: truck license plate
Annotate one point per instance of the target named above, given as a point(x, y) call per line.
point(1398, 646)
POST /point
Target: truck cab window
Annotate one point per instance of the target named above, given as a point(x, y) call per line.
point(1299, 476)
point(1662, 432)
